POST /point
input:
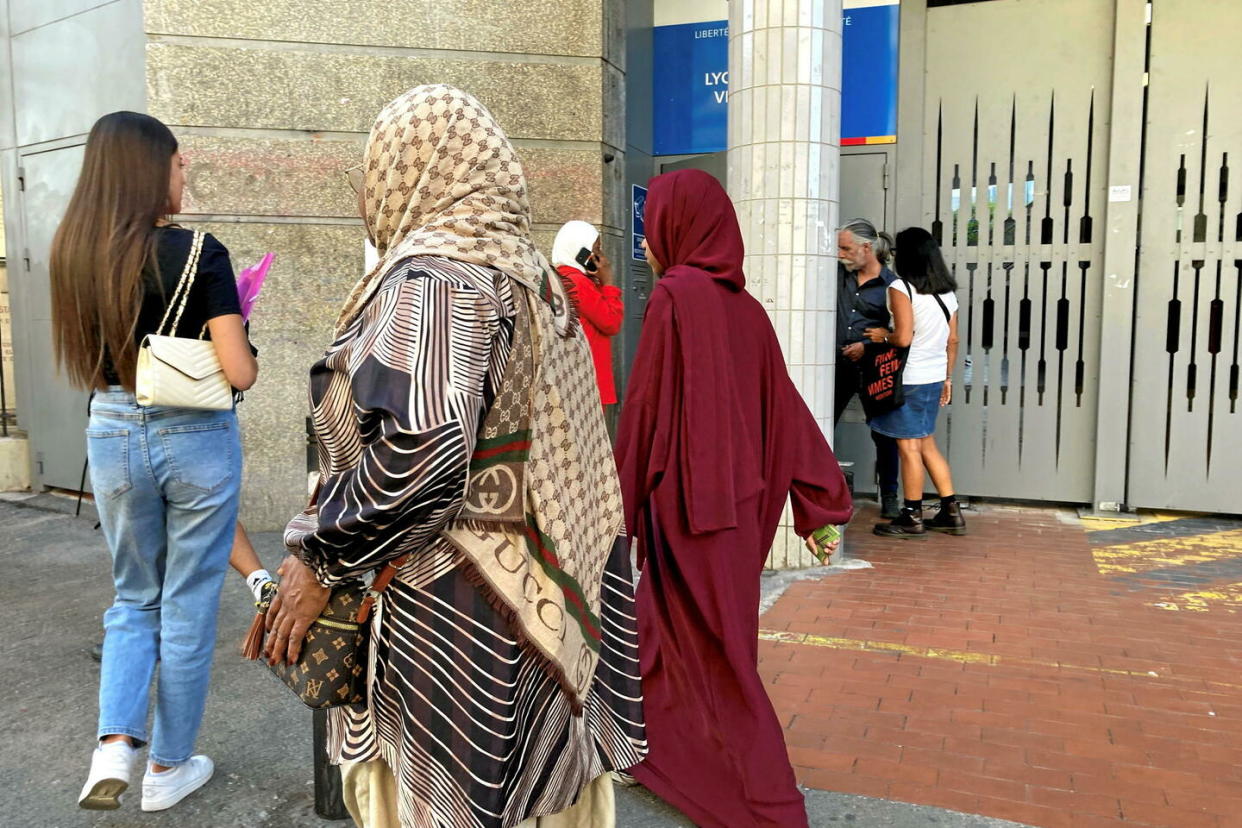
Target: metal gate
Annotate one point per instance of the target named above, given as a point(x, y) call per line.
point(1186, 429)
point(1014, 174)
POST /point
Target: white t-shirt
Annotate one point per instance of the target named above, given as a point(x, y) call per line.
point(928, 360)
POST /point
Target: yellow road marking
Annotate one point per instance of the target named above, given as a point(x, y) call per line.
point(1095, 523)
point(1228, 595)
point(965, 656)
point(1162, 553)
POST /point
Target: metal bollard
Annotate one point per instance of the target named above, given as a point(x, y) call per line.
point(329, 800)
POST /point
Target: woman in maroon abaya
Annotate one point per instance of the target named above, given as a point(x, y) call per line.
point(713, 440)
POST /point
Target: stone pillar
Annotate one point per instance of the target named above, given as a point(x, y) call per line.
point(784, 158)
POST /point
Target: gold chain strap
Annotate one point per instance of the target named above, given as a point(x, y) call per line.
point(184, 284)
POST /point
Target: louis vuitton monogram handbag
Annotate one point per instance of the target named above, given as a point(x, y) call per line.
point(331, 670)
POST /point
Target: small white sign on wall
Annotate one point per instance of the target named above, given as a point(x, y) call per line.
point(1119, 192)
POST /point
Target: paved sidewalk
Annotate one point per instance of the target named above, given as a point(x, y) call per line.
point(54, 589)
point(1041, 669)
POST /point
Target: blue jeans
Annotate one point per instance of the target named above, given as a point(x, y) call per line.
point(166, 483)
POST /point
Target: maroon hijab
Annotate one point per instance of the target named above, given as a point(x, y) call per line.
point(691, 227)
point(692, 230)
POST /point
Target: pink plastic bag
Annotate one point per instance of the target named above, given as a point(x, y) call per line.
point(250, 282)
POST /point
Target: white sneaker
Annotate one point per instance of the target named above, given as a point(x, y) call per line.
point(161, 791)
point(112, 766)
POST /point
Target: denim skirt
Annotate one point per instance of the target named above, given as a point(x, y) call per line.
point(914, 420)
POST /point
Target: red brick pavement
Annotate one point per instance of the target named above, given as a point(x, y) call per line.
point(1001, 674)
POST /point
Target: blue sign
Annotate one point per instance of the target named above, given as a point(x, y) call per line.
point(638, 204)
point(691, 94)
point(691, 82)
point(869, 75)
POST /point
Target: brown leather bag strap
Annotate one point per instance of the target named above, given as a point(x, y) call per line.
point(378, 586)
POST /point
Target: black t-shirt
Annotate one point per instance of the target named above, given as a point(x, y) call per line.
point(214, 292)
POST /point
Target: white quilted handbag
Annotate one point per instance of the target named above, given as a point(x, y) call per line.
point(177, 371)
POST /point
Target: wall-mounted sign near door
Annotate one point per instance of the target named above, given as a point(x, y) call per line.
point(638, 204)
point(691, 80)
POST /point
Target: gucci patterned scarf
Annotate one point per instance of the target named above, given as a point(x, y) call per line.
point(543, 505)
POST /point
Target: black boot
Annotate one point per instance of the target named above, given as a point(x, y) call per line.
point(949, 520)
point(890, 505)
point(907, 526)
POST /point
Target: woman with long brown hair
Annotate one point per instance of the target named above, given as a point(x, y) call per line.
point(166, 480)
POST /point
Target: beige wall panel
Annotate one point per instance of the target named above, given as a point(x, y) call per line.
point(323, 91)
point(315, 267)
point(273, 425)
point(564, 184)
point(270, 176)
point(295, 177)
point(570, 27)
point(544, 235)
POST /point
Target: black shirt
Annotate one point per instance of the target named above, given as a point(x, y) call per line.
point(214, 292)
point(859, 308)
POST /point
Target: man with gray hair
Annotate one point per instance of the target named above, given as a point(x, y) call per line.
point(862, 302)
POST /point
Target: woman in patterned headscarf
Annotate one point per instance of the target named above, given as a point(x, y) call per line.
point(459, 434)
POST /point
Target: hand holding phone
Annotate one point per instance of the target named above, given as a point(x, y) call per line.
point(586, 259)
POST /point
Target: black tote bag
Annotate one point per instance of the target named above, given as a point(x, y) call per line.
point(880, 369)
point(879, 372)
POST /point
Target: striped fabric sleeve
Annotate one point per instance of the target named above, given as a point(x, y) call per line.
point(415, 381)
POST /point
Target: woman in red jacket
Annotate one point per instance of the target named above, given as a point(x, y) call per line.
point(577, 256)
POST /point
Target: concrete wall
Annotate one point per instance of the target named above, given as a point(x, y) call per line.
point(273, 100)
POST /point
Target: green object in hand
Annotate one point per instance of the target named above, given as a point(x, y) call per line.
point(823, 537)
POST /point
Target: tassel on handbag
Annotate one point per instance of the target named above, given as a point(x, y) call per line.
point(252, 646)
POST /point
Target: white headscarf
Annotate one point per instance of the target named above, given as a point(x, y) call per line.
point(570, 239)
